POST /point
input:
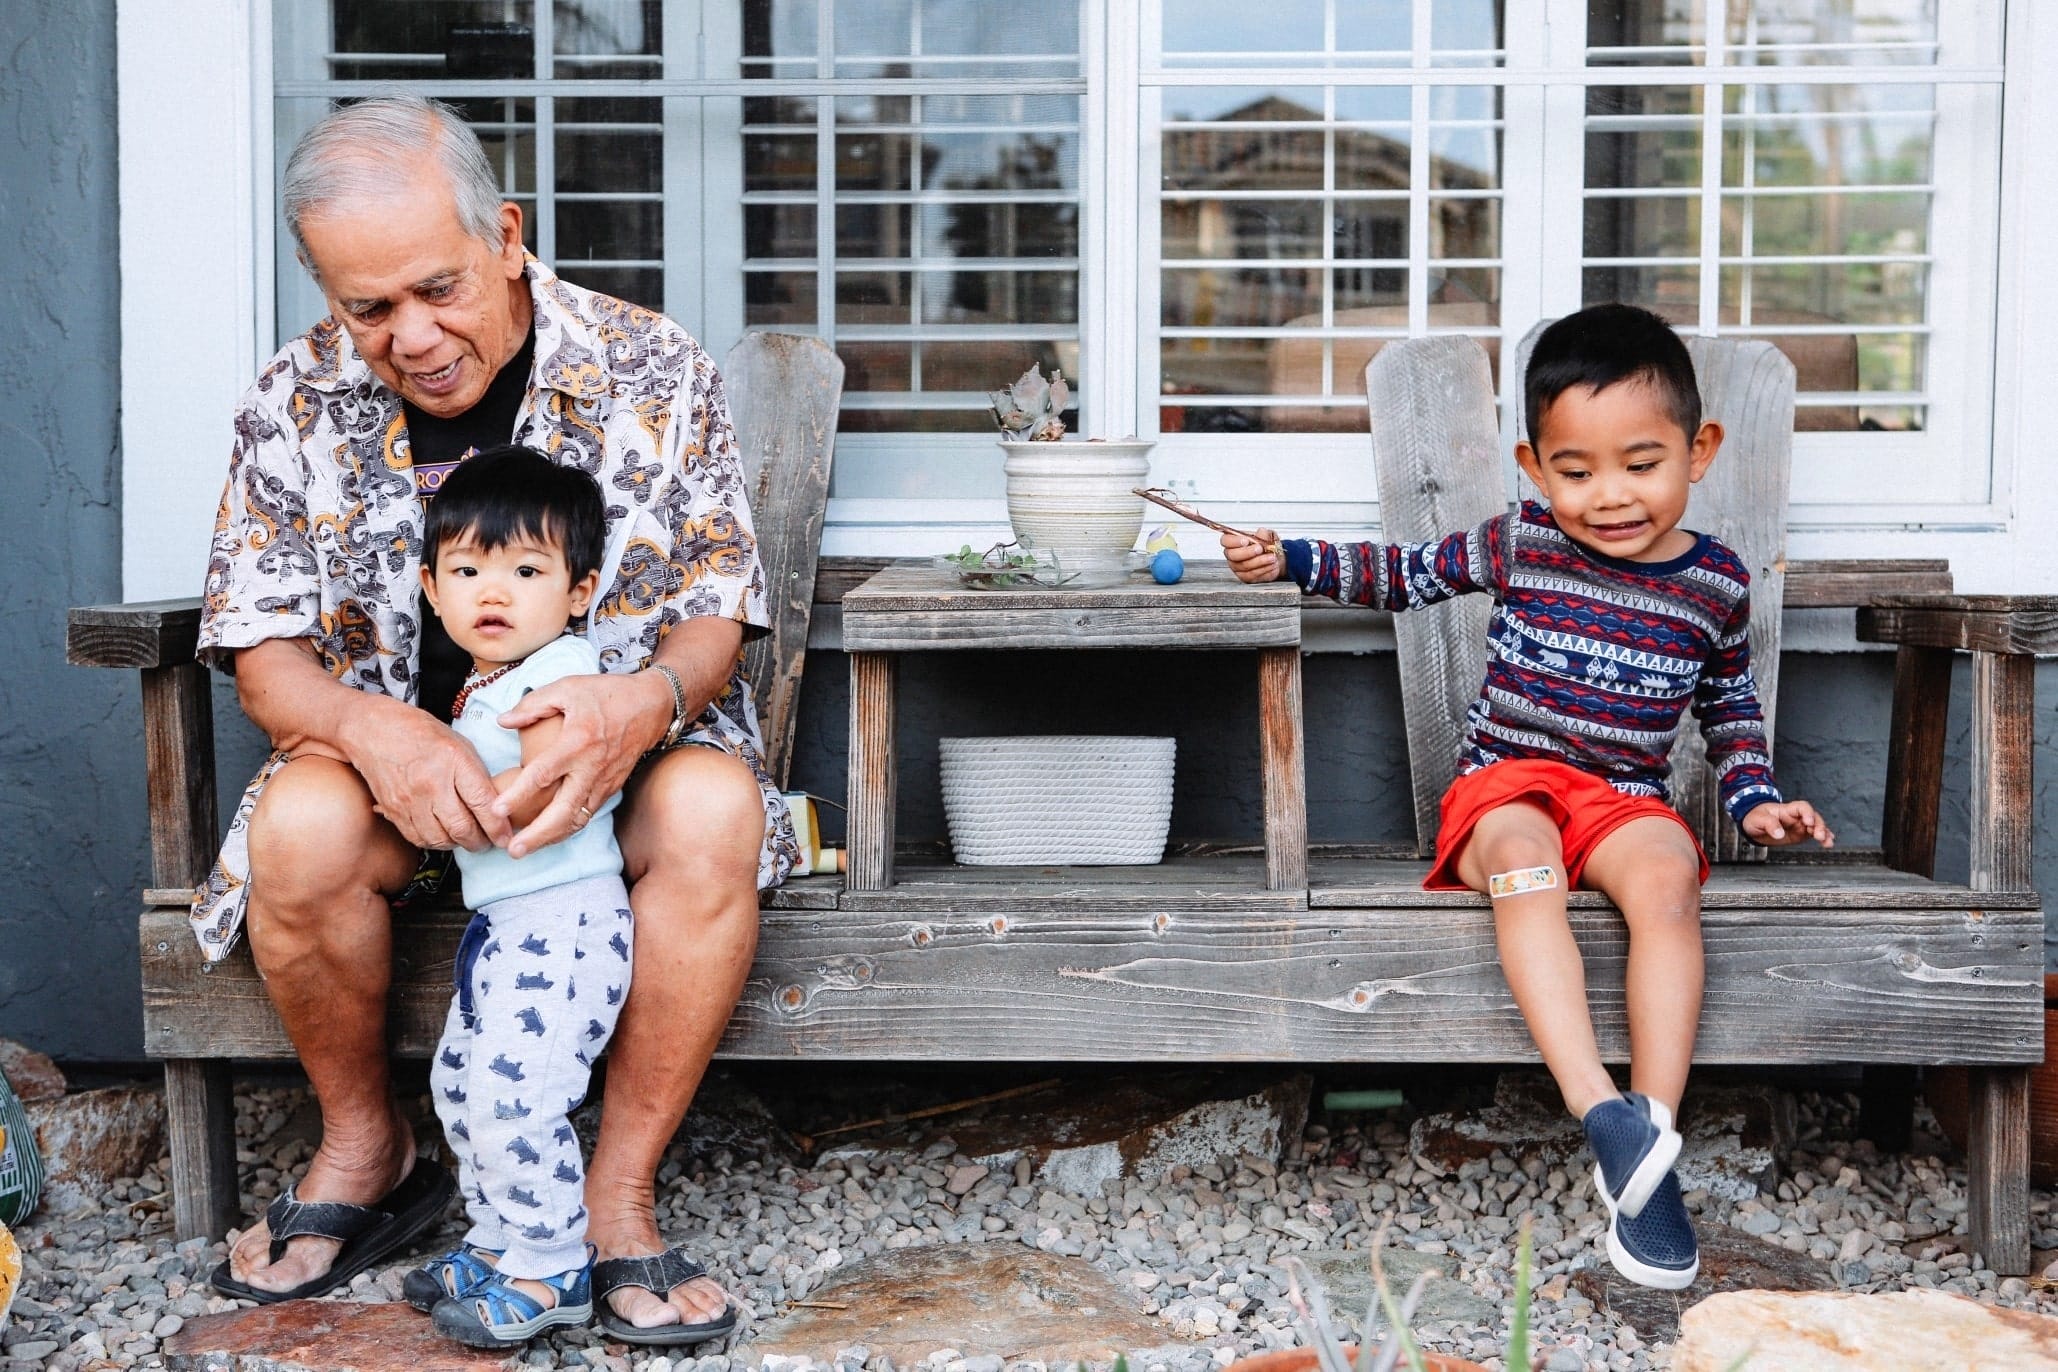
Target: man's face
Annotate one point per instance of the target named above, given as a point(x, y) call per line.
point(434, 310)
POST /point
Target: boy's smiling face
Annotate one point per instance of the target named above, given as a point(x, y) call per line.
point(1616, 467)
point(502, 604)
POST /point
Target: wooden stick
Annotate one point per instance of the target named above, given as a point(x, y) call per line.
point(1158, 495)
point(821, 1305)
point(807, 1141)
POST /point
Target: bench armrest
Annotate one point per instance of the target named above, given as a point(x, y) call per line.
point(150, 633)
point(2017, 625)
point(159, 636)
point(2004, 634)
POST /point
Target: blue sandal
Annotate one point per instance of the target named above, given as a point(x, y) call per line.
point(458, 1273)
point(497, 1314)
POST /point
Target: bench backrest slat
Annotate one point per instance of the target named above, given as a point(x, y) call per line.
point(783, 394)
point(1436, 448)
point(1440, 468)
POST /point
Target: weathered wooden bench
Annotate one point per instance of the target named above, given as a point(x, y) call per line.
point(1863, 959)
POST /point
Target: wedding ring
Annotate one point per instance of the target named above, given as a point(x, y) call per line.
point(585, 816)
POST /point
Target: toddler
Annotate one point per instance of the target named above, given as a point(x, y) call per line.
point(511, 556)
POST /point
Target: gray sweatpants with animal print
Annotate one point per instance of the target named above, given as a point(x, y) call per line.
point(540, 979)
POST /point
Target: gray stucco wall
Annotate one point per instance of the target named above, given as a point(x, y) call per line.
point(71, 792)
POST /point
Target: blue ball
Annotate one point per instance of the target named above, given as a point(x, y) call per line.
point(1167, 567)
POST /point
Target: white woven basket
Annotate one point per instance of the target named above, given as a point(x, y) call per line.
point(1057, 800)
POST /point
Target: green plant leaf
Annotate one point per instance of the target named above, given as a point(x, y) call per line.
point(1518, 1319)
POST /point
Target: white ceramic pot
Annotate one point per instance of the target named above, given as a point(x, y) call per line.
point(1076, 496)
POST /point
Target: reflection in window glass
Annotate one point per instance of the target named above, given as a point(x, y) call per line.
point(1821, 240)
point(954, 260)
point(1287, 220)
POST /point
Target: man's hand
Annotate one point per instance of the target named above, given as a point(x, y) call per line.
point(608, 724)
point(1252, 559)
point(1786, 823)
point(427, 782)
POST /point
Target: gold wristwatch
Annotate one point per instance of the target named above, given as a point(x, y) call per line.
point(679, 720)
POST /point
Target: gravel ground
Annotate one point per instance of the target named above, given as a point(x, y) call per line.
point(105, 1286)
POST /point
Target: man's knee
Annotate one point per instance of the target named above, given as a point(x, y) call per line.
point(699, 813)
point(314, 834)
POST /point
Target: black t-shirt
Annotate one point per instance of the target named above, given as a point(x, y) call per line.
point(437, 446)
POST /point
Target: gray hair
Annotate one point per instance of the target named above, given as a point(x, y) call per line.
point(365, 152)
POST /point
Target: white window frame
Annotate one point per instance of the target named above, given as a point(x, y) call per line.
point(199, 230)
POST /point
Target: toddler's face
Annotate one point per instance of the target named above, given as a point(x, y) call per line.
point(1616, 468)
point(502, 604)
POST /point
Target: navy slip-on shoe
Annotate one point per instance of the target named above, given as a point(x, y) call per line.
point(1634, 1146)
point(1656, 1248)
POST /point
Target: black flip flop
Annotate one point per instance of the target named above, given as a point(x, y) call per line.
point(659, 1275)
point(368, 1232)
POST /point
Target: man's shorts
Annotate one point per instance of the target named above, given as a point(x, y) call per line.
point(1585, 808)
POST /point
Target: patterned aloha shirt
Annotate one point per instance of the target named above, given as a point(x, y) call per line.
point(319, 534)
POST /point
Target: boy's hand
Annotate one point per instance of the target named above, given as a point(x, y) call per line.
point(1252, 559)
point(1785, 824)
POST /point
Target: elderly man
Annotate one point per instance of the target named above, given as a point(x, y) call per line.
point(444, 337)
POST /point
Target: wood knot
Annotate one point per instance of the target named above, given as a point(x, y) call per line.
point(1160, 923)
point(920, 936)
point(791, 999)
point(998, 925)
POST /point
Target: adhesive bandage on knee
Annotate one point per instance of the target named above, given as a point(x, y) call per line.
point(1521, 881)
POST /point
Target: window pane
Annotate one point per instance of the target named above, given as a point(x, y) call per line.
point(598, 40)
point(1763, 32)
point(1236, 27)
point(1243, 228)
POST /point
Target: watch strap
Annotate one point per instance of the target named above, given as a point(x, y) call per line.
point(678, 725)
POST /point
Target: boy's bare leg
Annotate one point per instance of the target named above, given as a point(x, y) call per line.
point(320, 864)
point(1538, 954)
point(1649, 869)
point(691, 826)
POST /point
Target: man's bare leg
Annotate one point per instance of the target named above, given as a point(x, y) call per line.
point(1538, 953)
point(321, 862)
point(691, 828)
point(1649, 869)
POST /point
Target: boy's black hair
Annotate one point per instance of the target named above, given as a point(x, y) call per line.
point(1606, 344)
point(511, 492)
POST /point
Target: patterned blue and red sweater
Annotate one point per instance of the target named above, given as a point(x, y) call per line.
point(1591, 660)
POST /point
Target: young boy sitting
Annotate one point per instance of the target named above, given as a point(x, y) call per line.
point(511, 556)
point(1610, 621)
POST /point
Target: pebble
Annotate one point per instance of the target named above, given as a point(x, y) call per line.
point(104, 1286)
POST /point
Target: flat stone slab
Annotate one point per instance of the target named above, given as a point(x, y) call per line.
point(323, 1336)
point(1346, 1274)
point(1731, 1260)
point(980, 1299)
point(1903, 1331)
point(1735, 1133)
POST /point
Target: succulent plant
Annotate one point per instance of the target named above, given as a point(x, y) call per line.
point(1325, 1333)
point(1029, 410)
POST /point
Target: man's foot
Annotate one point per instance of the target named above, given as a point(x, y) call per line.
point(359, 1174)
point(1634, 1146)
point(698, 1301)
point(1656, 1248)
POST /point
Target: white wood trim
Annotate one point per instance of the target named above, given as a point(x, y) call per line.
point(190, 258)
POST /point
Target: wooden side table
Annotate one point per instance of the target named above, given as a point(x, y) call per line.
point(913, 607)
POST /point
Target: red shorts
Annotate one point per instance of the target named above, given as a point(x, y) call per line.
point(1585, 808)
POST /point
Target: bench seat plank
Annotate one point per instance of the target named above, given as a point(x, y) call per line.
point(1883, 967)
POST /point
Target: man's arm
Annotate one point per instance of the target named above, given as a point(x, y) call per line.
point(610, 722)
point(425, 780)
